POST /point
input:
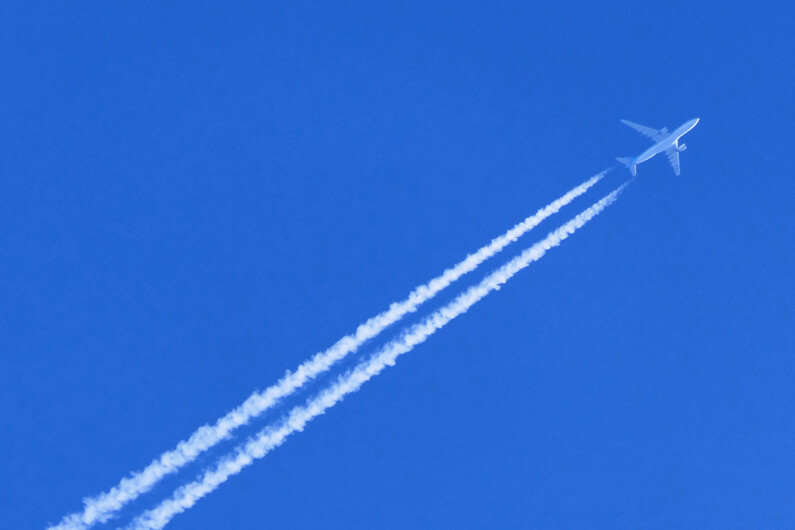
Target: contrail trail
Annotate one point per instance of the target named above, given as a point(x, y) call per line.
point(271, 437)
point(102, 507)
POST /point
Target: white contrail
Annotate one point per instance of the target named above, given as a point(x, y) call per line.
point(273, 436)
point(102, 507)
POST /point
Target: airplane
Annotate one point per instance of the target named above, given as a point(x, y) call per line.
point(664, 141)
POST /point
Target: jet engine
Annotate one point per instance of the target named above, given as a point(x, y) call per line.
point(682, 147)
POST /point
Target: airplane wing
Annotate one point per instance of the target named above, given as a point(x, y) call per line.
point(673, 158)
point(654, 134)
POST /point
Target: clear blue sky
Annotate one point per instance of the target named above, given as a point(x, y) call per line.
point(196, 197)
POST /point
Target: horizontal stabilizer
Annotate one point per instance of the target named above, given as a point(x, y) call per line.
point(630, 165)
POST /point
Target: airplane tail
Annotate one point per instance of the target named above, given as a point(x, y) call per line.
point(630, 165)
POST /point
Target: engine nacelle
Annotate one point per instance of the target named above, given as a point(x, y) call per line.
point(682, 147)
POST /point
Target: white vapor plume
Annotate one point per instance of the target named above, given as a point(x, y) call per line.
point(273, 436)
point(102, 507)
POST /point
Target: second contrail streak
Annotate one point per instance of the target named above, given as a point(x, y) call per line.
point(102, 507)
point(273, 436)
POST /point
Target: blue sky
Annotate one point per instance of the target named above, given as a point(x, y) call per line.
point(196, 197)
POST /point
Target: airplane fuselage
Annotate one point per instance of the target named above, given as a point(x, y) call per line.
point(666, 143)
